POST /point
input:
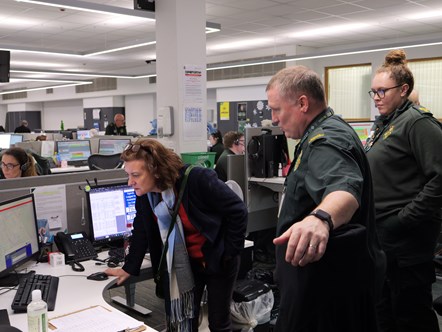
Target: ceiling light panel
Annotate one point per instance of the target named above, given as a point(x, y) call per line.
point(241, 44)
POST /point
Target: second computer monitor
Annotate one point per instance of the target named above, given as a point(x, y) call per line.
point(5, 141)
point(18, 236)
point(111, 213)
point(83, 134)
point(75, 152)
point(112, 146)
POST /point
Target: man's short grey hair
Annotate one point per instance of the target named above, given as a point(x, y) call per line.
point(292, 82)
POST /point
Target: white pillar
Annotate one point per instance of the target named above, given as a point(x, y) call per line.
point(181, 46)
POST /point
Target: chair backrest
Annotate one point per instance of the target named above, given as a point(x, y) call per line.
point(101, 161)
point(42, 164)
point(235, 188)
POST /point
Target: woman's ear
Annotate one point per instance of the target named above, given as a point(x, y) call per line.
point(404, 90)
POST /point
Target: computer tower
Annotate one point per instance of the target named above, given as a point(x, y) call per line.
point(265, 154)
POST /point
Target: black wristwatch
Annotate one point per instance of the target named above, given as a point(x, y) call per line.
point(324, 216)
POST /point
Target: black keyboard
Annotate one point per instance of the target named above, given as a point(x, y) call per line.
point(78, 163)
point(46, 283)
point(117, 253)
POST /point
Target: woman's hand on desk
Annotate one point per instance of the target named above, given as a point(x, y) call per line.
point(119, 273)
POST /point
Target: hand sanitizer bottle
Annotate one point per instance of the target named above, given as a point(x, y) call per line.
point(280, 170)
point(37, 313)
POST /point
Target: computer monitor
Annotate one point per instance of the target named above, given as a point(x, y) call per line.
point(112, 146)
point(83, 134)
point(18, 236)
point(5, 141)
point(16, 138)
point(111, 213)
point(362, 129)
point(75, 152)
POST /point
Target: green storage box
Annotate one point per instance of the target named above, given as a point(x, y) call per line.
point(205, 159)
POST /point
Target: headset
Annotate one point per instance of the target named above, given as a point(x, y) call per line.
point(24, 167)
point(254, 148)
point(236, 142)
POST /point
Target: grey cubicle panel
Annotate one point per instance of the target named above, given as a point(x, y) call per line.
point(262, 202)
point(236, 171)
point(35, 146)
point(75, 183)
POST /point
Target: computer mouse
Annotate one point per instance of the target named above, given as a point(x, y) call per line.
point(98, 276)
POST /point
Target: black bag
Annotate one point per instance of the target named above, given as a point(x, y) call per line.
point(160, 286)
point(248, 290)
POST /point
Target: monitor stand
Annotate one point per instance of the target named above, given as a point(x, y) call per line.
point(12, 279)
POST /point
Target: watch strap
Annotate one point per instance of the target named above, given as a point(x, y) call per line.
point(324, 216)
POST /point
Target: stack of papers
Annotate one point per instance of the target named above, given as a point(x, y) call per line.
point(95, 319)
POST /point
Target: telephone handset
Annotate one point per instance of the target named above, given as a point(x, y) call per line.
point(75, 246)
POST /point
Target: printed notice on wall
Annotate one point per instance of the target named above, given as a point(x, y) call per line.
point(224, 111)
point(194, 127)
point(50, 204)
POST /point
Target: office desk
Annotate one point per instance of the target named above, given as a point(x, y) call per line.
point(275, 184)
point(69, 169)
point(75, 292)
point(263, 199)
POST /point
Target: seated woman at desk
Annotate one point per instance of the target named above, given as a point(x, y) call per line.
point(205, 245)
point(16, 163)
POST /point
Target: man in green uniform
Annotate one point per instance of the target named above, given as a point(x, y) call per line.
point(329, 263)
point(117, 127)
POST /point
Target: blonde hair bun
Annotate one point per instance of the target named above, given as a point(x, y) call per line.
point(395, 57)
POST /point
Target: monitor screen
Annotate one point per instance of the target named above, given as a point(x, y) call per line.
point(5, 141)
point(362, 129)
point(111, 212)
point(74, 151)
point(16, 138)
point(18, 233)
point(112, 146)
point(83, 134)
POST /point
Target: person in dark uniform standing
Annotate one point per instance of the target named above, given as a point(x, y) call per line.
point(23, 128)
point(406, 162)
point(216, 140)
point(117, 127)
point(328, 258)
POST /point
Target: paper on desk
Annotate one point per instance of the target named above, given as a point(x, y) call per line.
point(95, 319)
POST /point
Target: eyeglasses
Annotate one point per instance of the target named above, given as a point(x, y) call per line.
point(381, 92)
point(9, 166)
point(136, 147)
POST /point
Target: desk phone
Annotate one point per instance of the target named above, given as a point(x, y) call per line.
point(75, 246)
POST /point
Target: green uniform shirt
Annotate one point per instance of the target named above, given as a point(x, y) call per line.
point(331, 158)
point(406, 161)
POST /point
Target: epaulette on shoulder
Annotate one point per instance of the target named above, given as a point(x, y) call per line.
point(316, 135)
point(422, 110)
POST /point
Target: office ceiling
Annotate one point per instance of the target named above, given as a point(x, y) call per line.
point(68, 35)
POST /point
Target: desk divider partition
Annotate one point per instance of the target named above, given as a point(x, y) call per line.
point(75, 195)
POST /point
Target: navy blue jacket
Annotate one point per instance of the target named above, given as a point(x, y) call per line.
point(212, 208)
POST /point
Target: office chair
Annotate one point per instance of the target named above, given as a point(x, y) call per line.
point(101, 161)
point(42, 164)
point(235, 188)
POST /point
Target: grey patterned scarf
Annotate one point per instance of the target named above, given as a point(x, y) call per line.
point(181, 283)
